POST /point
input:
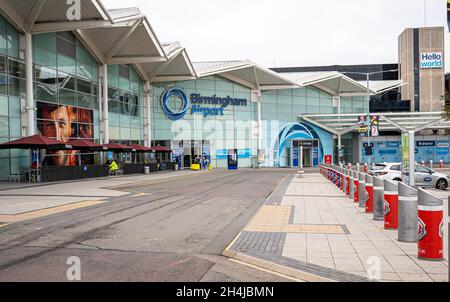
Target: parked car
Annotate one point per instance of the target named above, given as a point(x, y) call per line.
point(424, 176)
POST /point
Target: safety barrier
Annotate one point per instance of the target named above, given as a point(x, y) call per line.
point(356, 187)
point(431, 226)
point(378, 200)
point(417, 215)
point(407, 213)
point(390, 204)
point(369, 190)
point(352, 185)
point(362, 190)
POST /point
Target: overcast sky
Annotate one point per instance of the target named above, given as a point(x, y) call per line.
point(289, 32)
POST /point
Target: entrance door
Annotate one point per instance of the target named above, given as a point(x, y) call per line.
point(307, 157)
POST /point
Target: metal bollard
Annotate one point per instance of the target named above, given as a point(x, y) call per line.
point(390, 204)
point(362, 198)
point(356, 187)
point(365, 168)
point(344, 181)
point(431, 226)
point(441, 164)
point(378, 200)
point(352, 185)
point(407, 213)
point(431, 163)
point(369, 190)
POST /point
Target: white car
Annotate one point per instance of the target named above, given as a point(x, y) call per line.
point(424, 176)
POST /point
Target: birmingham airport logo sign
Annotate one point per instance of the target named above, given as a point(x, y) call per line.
point(198, 101)
point(431, 60)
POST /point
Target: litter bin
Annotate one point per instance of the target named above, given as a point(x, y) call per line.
point(146, 170)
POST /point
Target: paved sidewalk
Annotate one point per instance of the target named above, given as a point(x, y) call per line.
point(33, 198)
point(324, 233)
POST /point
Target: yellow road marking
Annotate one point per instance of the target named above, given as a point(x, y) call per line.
point(49, 211)
point(275, 218)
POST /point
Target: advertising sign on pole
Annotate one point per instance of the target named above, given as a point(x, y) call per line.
point(374, 123)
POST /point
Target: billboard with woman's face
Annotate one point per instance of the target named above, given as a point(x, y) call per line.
point(64, 122)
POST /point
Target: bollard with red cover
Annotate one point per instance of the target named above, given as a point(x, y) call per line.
point(390, 204)
point(344, 180)
point(365, 168)
point(351, 184)
point(431, 226)
point(341, 186)
point(441, 164)
point(369, 190)
point(356, 187)
point(347, 182)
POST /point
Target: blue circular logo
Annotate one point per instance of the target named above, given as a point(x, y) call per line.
point(178, 95)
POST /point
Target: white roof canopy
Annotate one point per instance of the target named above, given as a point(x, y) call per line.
point(245, 73)
point(117, 36)
point(388, 121)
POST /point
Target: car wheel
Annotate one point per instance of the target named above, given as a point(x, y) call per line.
point(441, 184)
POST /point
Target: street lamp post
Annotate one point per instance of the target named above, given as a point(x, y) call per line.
point(368, 74)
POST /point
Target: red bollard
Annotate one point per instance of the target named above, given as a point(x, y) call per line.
point(347, 182)
point(369, 190)
point(441, 164)
point(365, 168)
point(356, 194)
point(431, 226)
point(390, 204)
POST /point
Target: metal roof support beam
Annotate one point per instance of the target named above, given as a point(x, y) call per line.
point(141, 71)
point(428, 125)
point(348, 129)
point(90, 45)
point(276, 87)
point(68, 26)
point(110, 53)
point(135, 59)
point(173, 78)
point(326, 89)
point(319, 124)
point(12, 16)
point(32, 17)
point(238, 80)
point(393, 123)
point(164, 65)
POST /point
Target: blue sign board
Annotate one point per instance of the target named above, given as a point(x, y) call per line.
point(295, 157)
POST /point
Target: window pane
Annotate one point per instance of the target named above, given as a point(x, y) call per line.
point(66, 81)
point(3, 105)
point(2, 64)
point(17, 87)
point(67, 97)
point(16, 68)
point(65, 47)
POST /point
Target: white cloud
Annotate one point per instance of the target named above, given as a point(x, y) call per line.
point(289, 32)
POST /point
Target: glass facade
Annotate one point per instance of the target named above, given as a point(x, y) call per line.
point(12, 88)
point(280, 111)
point(66, 94)
point(125, 106)
point(217, 133)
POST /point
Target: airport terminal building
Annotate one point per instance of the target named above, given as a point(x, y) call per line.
point(93, 73)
